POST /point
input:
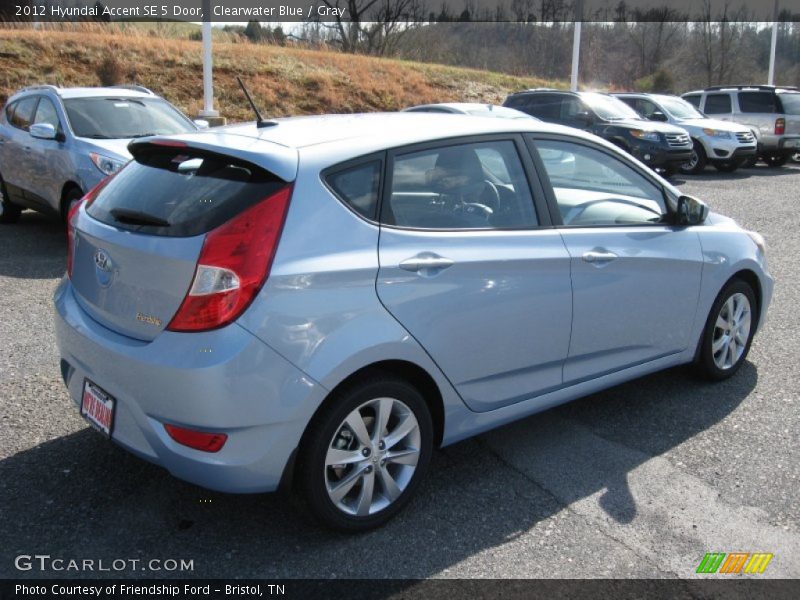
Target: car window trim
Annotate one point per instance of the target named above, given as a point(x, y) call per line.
point(555, 213)
point(352, 163)
point(534, 186)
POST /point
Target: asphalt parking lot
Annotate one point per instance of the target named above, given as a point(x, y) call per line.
point(638, 481)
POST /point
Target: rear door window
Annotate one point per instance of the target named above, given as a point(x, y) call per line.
point(23, 112)
point(717, 104)
point(181, 192)
point(358, 187)
point(466, 186)
point(757, 102)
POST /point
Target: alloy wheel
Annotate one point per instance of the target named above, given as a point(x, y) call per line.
point(731, 331)
point(372, 457)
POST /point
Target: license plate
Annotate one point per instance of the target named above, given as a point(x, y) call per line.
point(97, 407)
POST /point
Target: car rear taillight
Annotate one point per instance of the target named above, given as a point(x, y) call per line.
point(780, 126)
point(86, 200)
point(198, 440)
point(233, 265)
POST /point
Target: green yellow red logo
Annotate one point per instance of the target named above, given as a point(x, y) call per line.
point(734, 562)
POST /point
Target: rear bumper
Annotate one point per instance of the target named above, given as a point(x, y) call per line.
point(223, 381)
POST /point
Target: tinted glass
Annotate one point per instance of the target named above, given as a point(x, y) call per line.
point(693, 99)
point(119, 118)
point(608, 107)
point(358, 187)
point(181, 193)
point(23, 112)
point(717, 104)
point(790, 103)
point(46, 113)
point(469, 186)
point(757, 102)
point(594, 188)
point(544, 106)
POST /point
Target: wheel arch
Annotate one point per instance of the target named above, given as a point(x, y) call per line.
point(66, 189)
point(408, 371)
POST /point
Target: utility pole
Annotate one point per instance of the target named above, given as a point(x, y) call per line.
point(576, 45)
point(208, 113)
point(773, 46)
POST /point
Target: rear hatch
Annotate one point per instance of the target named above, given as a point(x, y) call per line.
point(137, 243)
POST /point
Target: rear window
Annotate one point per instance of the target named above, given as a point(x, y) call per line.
point(717, 104)
point(181, 192)
point(358, 187)
point(757, 102)
point(791, 103)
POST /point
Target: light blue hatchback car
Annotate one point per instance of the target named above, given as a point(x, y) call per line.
point(58, 143)
point(325, 300)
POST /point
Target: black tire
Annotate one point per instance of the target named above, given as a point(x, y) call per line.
point(706, 364)
point(775, 160)
point(72, 196)
point(325, 433)
point(796, 157)
point(9, 212)
point(698, 162)
point(726, 166)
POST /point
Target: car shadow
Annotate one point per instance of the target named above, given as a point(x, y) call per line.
point(80, 496)
point(33, 248)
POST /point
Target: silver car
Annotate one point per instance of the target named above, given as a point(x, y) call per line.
point(724, 144)
point(772, 114)
point(56, 144)
point(322, 302)
point(474, 109)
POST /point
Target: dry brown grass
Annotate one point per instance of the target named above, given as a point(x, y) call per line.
point(283, 81)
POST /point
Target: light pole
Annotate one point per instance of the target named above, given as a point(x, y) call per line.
point(773, 46)
point(576, 45)
point(208, 111)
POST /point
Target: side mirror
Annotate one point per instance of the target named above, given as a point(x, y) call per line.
point(43, 131)
point(691, 211)
point(201, 123)
point(658, 116)
point(585, 116)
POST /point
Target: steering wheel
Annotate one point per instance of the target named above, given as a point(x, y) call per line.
point(489, 195)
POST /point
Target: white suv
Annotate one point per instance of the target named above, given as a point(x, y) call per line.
point(723, 144)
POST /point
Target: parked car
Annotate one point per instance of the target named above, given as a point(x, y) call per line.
point(658, 145)
point(724, 144)
point(470, 108)
point(58, 143)
point(772, 114)
point(314, 305)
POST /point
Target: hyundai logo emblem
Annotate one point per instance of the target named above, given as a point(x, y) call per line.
point(102, 261)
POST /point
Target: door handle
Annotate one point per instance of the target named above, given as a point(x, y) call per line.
point(598, 258)
point(426, 262)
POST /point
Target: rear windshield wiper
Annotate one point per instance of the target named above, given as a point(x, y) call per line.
point(141, 135)
point(136, 217)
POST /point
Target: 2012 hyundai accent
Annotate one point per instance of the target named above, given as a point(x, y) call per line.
point(325, 300)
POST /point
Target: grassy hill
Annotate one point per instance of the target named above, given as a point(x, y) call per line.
point(283, 80)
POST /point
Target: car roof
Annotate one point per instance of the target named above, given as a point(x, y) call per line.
point(336, 138)
point(133, 91)
point(391, 129)
point(457, 106)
